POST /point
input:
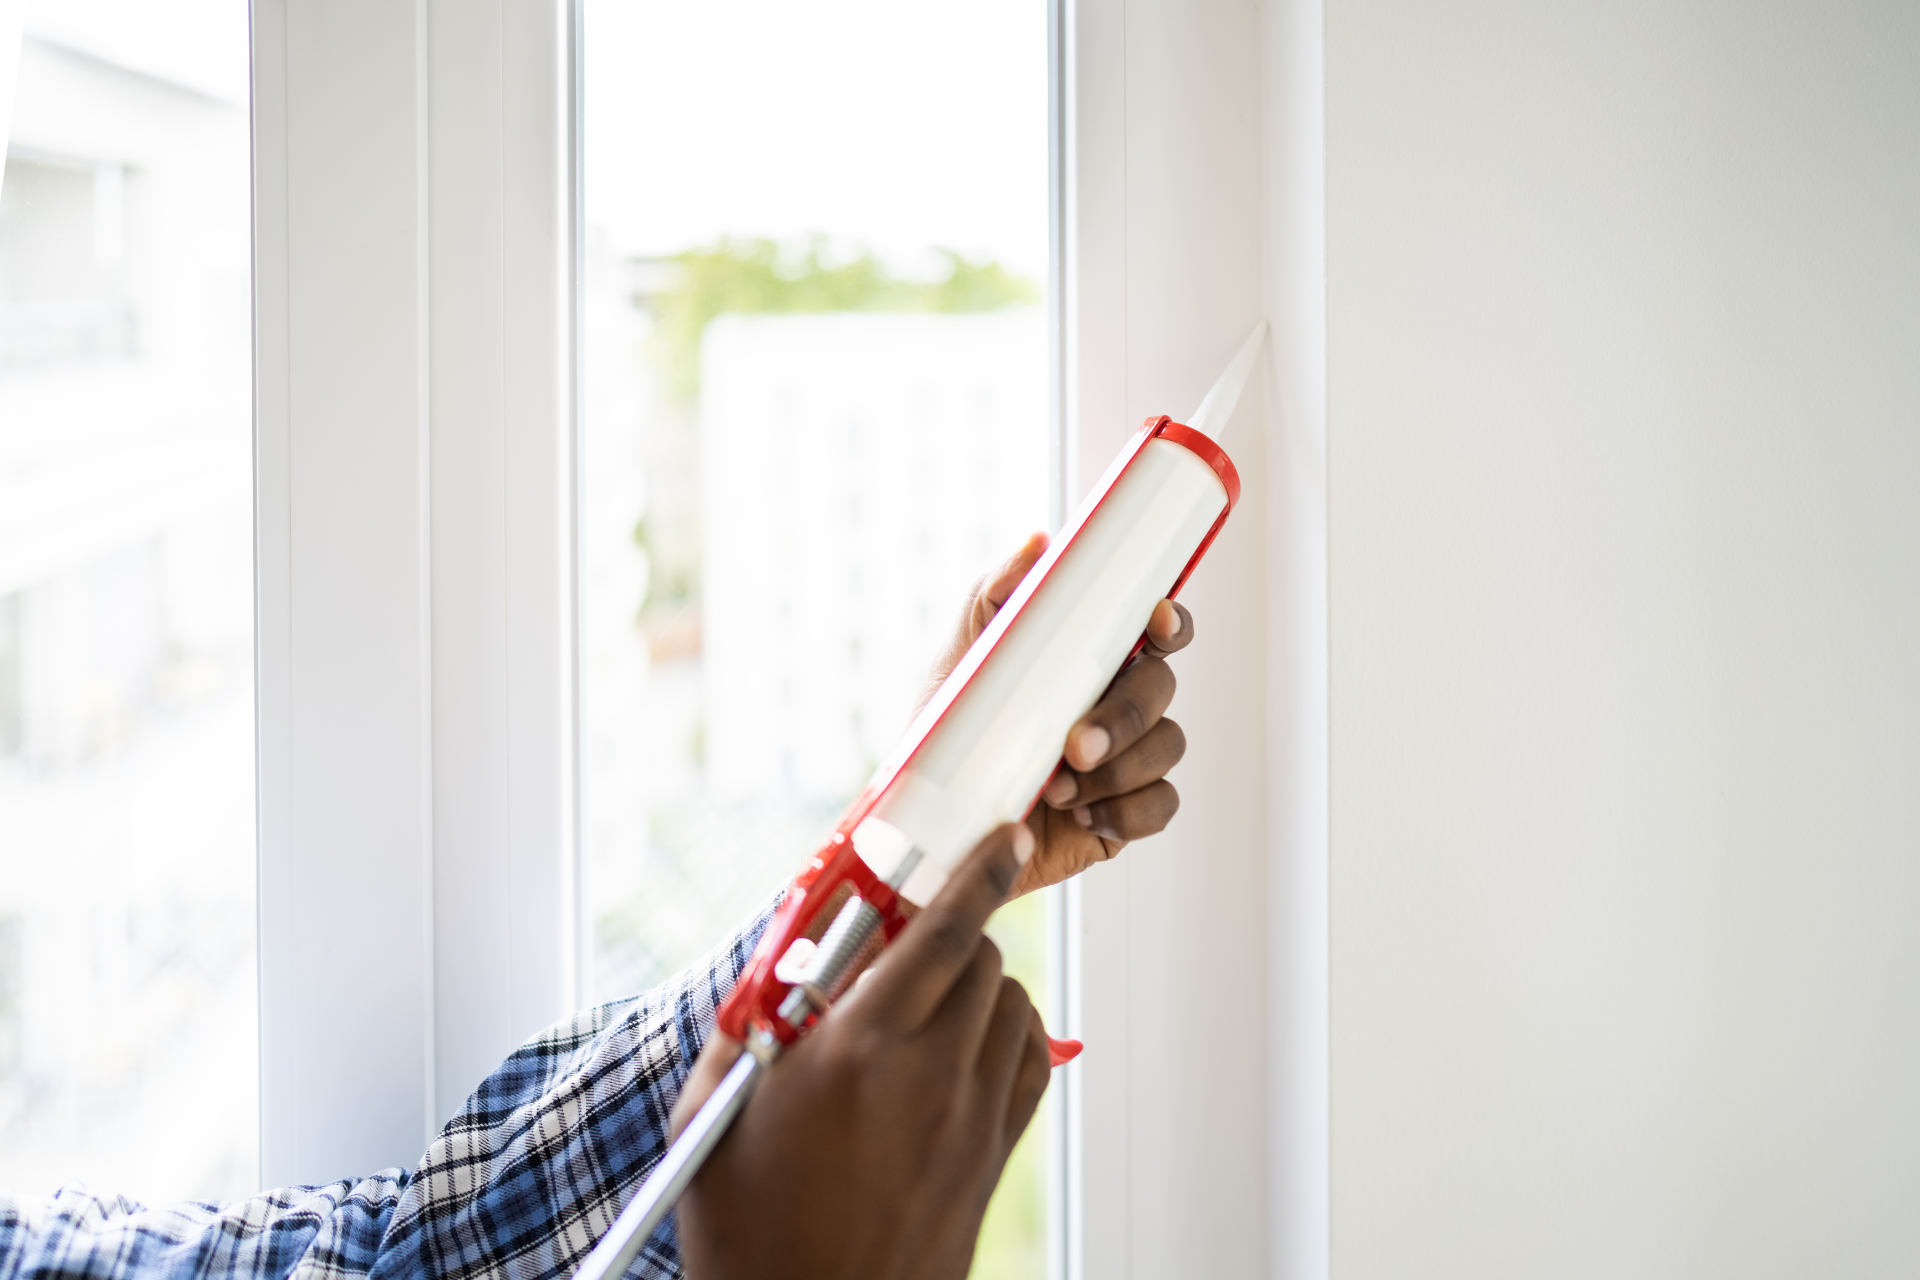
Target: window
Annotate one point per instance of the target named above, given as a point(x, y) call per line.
point(127, 975)
point(814, 411)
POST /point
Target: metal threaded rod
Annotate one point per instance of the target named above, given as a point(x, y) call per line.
point(830, 969)
point(845, 939)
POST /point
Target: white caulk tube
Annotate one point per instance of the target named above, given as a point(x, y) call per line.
point(977, 756)
point(980, 752)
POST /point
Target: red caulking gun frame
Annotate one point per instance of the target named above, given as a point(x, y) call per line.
point(977, 756)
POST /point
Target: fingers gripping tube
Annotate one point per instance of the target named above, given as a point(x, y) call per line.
point(814, 975)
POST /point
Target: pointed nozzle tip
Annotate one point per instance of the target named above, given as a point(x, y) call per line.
point(1211, 417)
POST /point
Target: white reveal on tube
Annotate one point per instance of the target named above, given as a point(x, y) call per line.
point(985, 746)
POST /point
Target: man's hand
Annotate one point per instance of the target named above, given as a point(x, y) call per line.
point(1113, 787)
point(873, 1144)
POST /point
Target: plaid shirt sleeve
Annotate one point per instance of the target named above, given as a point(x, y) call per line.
point(518, 1186)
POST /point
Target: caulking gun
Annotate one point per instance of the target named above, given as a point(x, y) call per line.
point(977, 756)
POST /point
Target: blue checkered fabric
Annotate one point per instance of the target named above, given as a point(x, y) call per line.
point(518, 1186)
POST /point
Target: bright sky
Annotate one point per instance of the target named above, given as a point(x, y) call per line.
point(898, 124)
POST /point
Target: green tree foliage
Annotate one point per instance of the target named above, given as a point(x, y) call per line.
point(766, 277)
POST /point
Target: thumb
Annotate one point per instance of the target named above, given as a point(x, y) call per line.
point(708, 1071)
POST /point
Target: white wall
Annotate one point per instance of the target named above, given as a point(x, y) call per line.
point(1624, 428)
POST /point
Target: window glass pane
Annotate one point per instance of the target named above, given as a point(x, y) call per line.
point(127, 1042)
point(815, 410)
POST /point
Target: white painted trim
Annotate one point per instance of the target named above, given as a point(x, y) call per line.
point(1094, 314)
point(344, 656)
point(502, 503)
point(1062, 1151)
point(1197, 959)
point(413, 504)
point(576, 194)
point(1298, 799)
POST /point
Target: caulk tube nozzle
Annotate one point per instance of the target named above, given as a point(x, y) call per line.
point(1210, 419)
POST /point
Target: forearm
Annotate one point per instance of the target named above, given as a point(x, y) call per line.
point(77, 1234)
point(520, 1183)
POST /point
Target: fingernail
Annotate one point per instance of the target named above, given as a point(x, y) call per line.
point(1084, 816)
point(1023, 843)
point(1093, 744)
point(1061, 789)
point(1178, 621)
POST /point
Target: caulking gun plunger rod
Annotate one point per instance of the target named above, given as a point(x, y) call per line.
point(977, 756)
point(826, 975)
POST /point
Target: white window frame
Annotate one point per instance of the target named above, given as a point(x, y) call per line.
point(419, 907)
point(413, 453)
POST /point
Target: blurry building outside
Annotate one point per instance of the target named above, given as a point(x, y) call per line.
point(807, 429)
point(798, 537)
point(127, 1011)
